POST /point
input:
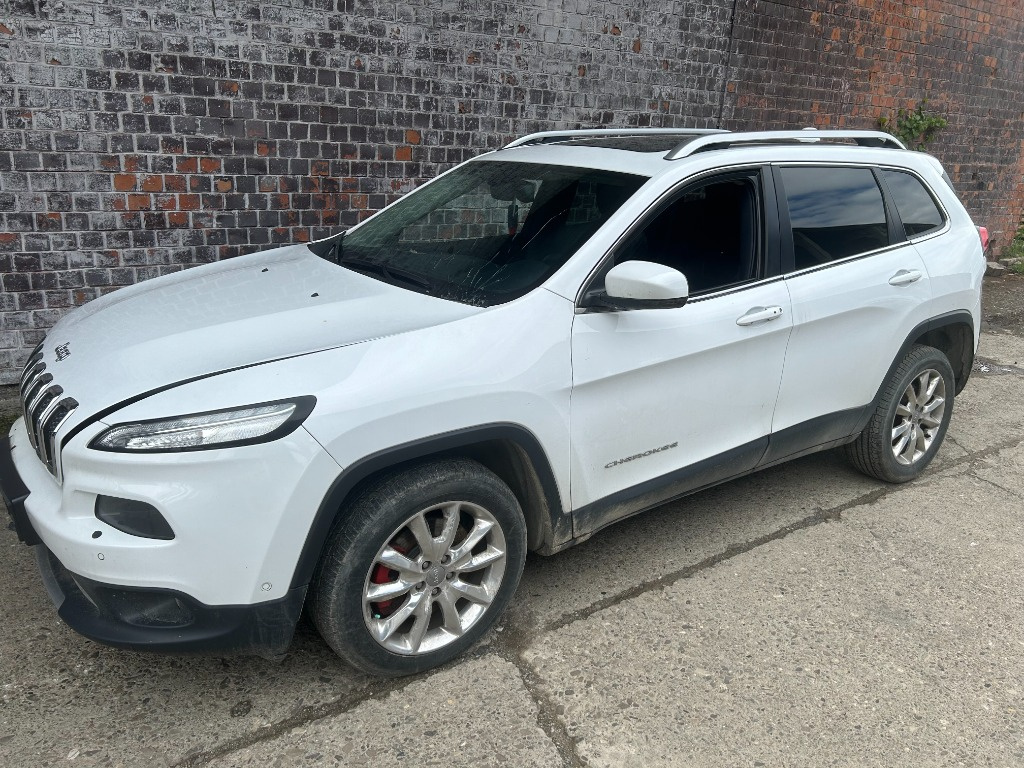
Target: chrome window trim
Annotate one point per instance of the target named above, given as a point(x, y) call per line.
point(846, 260)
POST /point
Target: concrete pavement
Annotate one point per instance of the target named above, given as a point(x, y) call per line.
point(802, 616)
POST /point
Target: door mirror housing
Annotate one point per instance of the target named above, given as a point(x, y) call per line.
point(640, 285)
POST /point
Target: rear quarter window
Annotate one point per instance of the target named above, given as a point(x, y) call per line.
point(917, 208)
point(834, 213)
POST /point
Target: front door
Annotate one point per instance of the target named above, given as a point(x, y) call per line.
point(669, 400)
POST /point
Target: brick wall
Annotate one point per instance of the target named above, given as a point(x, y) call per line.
point(139, 137)
point(845, 64)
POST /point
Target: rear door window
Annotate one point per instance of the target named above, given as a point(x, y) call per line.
point(915, 205)
point(834, 213)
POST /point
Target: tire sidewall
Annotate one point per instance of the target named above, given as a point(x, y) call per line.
point(338, 606)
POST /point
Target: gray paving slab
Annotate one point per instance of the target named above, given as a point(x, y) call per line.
point(478, 713)
point(890, 638)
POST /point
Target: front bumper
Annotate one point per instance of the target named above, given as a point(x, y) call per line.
point(163, 620)
point(14, 493)
point(152, 600)
point(149, 619)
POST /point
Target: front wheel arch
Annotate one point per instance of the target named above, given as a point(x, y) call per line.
point(511, 451)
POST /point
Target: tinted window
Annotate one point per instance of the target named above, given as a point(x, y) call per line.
point(834, 212)
point(916, 207)
point(710, 233)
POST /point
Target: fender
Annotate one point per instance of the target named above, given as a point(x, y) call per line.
point(956, 317)
point(558, 525)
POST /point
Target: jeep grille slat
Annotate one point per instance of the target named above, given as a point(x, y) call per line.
point(44, 409)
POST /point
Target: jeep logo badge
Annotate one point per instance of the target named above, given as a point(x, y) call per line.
point(63, 351)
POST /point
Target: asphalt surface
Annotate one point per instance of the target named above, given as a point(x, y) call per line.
point(802, 616)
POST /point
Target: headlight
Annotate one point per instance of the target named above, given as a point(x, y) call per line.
point(258, 423)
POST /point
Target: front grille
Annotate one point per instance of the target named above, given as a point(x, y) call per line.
point(45, 409)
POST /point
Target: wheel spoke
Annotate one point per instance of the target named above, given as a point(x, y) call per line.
point(910, 398)
point(396, 561)
point(920, 385)
point(930, 421)
point(383, 629)
point(417, 525)
point(902, 429)
point(907, 454)
point(485, 558)
point(935, 403)
point(452, 619)
point(462, 553)
point(903, 410)
point(377, 593)
point(472, 592)
point(932, 383)
point(420, 623)
point(901, 444)
point(921, 443)
point(451, 527)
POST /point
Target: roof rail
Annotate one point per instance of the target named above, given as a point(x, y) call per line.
point(807, 136)
point(545, 137)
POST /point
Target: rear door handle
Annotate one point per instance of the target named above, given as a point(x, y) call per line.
point(905, 277)
point(756, 315)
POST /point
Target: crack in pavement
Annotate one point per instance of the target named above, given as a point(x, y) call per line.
point(520, 630)
point(375, 690)
point(974, 473)
point(549, 716)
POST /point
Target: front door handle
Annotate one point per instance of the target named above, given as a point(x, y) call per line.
point(756, 315)
point(905, 277)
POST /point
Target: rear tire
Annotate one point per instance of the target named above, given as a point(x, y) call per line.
point(422, 564)
point(910, 421)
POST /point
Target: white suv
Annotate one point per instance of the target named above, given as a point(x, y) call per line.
point(534, 345)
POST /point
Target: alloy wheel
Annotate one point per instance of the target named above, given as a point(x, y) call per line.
point(434, 578)
point(918, 417)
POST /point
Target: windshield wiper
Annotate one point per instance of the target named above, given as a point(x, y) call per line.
point(391, 274)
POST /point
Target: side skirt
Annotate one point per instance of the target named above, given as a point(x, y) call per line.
point(815, 435)
point(652, 493)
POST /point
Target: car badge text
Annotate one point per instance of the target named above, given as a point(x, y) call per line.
point(634, 457)
point(63, 350)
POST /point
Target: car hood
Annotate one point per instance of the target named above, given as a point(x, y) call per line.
point(249, 310)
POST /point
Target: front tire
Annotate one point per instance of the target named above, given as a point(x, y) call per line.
point(423, 563)
point(910, 421)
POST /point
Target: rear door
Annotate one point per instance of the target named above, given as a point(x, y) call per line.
point(857, 289)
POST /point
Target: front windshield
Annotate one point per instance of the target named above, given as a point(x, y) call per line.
point(487, 232)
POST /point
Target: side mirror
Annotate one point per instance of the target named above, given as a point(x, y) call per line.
point(640, 285)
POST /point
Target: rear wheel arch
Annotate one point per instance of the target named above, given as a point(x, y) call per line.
point(510, 451)
point(953, 336)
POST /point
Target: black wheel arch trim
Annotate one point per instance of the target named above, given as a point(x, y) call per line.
point(956, 317)
point(560, 521)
